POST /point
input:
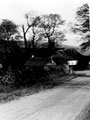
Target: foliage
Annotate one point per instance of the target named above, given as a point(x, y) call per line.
point(7, 79)
point(82, 25)
point(10, 53)
point(7, 29)
point(50, 28)
point(44, 27)
point(32, 76)
point(30, 27)
point(82, 16)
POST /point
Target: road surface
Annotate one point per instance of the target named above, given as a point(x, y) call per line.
point(62, 103)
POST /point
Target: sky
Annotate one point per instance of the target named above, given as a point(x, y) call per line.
point(16, 9)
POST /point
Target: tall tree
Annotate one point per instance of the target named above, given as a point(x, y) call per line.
point(31, 23)
point(7, 29)
point(50, 26)
point(82, 25)
point(82, 17)
point(42, 27)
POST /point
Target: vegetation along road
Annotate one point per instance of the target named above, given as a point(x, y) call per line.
point(67, 102)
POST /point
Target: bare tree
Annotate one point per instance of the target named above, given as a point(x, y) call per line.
point(31, 23)
point(43, 27)
point(50, 25)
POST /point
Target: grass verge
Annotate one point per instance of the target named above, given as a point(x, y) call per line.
point(8, 94)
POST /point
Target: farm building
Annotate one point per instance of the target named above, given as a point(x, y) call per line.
point(63, 56)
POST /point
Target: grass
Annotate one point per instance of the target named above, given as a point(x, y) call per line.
point(16, 94)
point(8, 94)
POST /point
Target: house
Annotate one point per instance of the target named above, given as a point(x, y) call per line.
point(60, 55)
point(65, 55)
point(71, 57)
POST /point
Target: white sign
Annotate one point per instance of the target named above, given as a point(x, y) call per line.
point(72, 62)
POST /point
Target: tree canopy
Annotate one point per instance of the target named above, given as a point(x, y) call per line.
point(82, 25)
point(29, 27)
point(7, 29)
point(82, 17)
point(43, 27)
point(50, 28)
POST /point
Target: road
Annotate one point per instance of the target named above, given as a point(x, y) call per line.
point(62, 103)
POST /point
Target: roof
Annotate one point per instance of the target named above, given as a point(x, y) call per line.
point(67, 54)
point(36, 62)
point(73, 53)
point(61, 54)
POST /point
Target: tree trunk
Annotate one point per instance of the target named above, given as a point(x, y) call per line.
point(51, 44)
point(25, 41)
point(33, 44)
point(24, 35)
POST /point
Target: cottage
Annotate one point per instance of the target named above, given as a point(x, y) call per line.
point(36, 62)
point(65, 56)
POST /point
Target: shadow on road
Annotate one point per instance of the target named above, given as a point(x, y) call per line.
point(84, 86)
point(79, 80)
point(78, 84)
point(81, 75)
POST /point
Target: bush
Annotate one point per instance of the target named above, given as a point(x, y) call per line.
point(56, 71)
point(10, 79)
point(33, 76)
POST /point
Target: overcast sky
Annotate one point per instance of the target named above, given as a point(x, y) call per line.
point(15, 9)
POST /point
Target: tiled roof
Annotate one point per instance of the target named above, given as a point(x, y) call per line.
point(36, 61)
point(67, 54)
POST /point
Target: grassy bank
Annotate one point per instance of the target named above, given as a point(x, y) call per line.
point(8, 94)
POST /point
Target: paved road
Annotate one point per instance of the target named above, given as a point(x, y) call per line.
point(62, 103)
